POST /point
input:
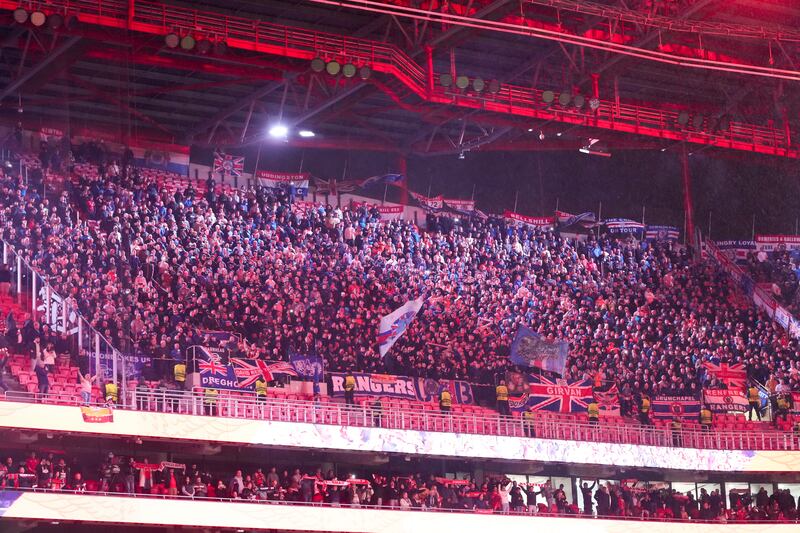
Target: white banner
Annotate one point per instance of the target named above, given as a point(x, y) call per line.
point(394, 324)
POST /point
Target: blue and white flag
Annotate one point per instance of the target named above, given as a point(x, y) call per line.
point(394, 324)
point(530, 349)
point(623, 225)
point(662, 233)
point(307, 366)
point(385, 178)
point(586, 220)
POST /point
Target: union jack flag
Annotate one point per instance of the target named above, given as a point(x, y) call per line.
point(212, 366)
point(228, 165)
point(733, 375)
point(559, 395)
point(247, 371)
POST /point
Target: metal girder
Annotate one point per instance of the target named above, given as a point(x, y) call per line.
point(119, 103)
point(650, 37)
point(233, 108)
point(15, 85)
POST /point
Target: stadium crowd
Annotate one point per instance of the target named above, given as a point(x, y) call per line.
point(497, 494)
point(781, 268)
point(158, 266)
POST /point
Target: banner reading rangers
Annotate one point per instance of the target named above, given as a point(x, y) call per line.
point(770, 243)
point(284, 181)
point(421, 389)
point(725, 401)
point(668, 407)
point(522, 220)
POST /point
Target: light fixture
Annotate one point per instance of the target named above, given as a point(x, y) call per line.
point(305, 133)
point(204, 46)
point(541, 135)
point(55, 21)
point(664, 149)
point(278, 131)
point(683, 118)
point(188, 42)
point(530, 130)
point(462, 82)
point(333, 67)
point(564, 99)
point(559, 134)
point(364, 72)
point(446, 80)
point(317, 64)
point(589, 148)
point(172, 40)
point(494, 86)
point(349, 70)
point(579, 100)
point(461, 155)
point(220, 48)
point(548, 97)
point(38, 18)
point(594, 104)
point(20, 16)
point(698, 121)
point(478, 85)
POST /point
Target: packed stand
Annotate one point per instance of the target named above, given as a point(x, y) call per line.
point(781, 269)
point(157, 266)
point(414, 491)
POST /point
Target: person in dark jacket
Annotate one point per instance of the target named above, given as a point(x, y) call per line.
point(603, 499)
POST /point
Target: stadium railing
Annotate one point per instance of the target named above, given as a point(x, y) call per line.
point(333, 413)
point(300, 505)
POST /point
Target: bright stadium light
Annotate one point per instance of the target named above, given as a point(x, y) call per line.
point(305, 133)
point(279, 131)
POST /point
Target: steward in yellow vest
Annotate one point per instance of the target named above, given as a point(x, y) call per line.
point(179, 371)
point(706, 418)
point(445, 401)
point(261, 390)
point(501, 393)
point(112, 392)
point(593, 410)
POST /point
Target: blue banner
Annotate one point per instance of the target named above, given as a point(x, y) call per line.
point(530, 349)
point(240, 374)
point(387, 386)
point(307, 366)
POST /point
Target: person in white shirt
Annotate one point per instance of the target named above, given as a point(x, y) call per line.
point(405, 502)
point(86, 386)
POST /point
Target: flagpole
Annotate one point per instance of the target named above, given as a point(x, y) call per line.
point(556, 203)
point(385, 189)
point(516, 199)
point(754, 228)
point(258, 159)
point(473, 192)
point(642, 214)
point(430, 183)
point(599, 217)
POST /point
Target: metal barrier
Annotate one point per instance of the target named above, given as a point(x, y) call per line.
point(333, 413)
point(302, 504)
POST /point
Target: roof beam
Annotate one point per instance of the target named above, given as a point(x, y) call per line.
point(238, 105)
point(40, 67)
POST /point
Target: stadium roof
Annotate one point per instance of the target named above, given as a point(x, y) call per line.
point(719, 74)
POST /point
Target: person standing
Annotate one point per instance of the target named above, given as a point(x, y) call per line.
point(349, 388)
point(706, 418)
point(179, 372)
point(754, 401)
point(586, 492)
point(41, 375)
point(677, 434)
point(445, 401)
point(644, 410)
point(210, 401)
point(593, 412)
point(87, 381)
point(501, 394)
